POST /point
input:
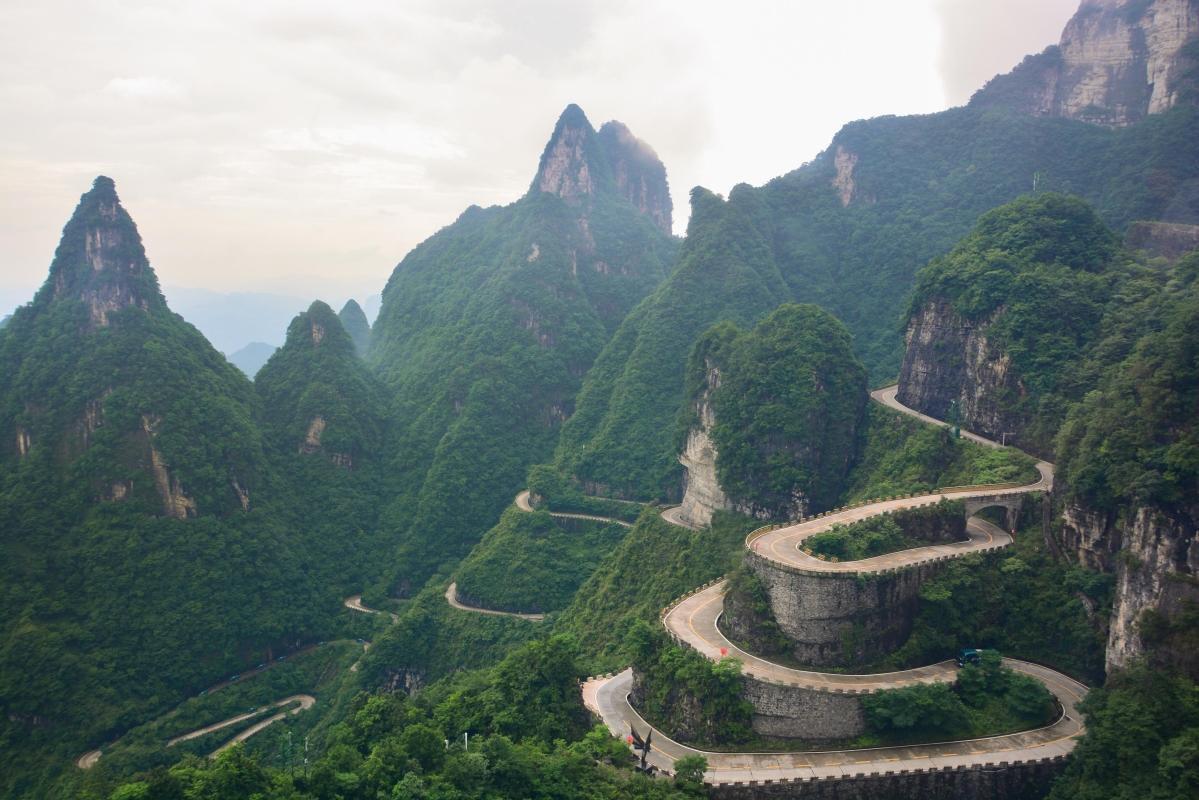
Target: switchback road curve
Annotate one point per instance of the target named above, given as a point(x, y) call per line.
point(693, 621)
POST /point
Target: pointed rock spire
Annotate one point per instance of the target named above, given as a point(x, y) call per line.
point(640, 175)
point(568, 165)
point(100, 260)
point(579, 163)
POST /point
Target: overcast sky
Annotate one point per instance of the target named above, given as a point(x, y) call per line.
point(305, 147)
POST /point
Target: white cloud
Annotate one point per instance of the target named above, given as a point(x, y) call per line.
point(144, 88)
point(311, 144)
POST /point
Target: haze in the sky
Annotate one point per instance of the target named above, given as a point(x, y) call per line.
point(303, 148)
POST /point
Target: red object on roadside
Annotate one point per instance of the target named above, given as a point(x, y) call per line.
point(629, 738)
point(724, 651)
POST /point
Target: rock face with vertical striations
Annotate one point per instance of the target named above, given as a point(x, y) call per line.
point(639, 174)
point(1118, 61)
point(578, 163)
point(100, 260)
point(998, 326)
point(1129, 473)
point(702, 495)
point(124, 347)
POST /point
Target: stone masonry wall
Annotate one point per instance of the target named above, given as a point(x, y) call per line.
point(792, 712)
point(842, 620)
point(1001, 781)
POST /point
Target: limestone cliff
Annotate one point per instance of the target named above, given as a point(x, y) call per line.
point(578, 163)
point(1154, 555)
point(1117, 61)
point(702, 495)
point(100, 259)
point(639, 174)
point(950, 359)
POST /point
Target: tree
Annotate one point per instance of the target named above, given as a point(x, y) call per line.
point(689, 772)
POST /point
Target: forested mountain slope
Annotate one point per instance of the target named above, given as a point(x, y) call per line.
point(848, 231)
point(488, 327)
point(143, 545)
point(324, 418)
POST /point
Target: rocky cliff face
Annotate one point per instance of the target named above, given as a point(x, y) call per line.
point(949, 359)
point(578, 163)
point(702, 495)
point(1118, 61)
point(1155, 558)
point(639, 174)
point(100, 259)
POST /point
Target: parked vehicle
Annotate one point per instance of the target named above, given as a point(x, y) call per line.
point(969, 655)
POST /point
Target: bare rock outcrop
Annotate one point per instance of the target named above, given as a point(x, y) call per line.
point(579, 163)
point(639, 173)
point(175, 502)
point(1117, 62)
point(1154, 556)
point(702, 495)
point(1168, 240)
point(100, 260)
point(949, 359)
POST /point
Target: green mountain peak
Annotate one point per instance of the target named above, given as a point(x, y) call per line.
point(354, 320)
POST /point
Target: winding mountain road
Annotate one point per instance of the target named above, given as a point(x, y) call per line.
point(354, 603)
point(693, 621)
point(451, 597)
point(305, 702)
point(522, 502)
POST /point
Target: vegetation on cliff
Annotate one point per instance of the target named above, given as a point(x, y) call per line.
point(532, 562)
point(1142, 741)
point(1134, 442)
point(789, 409)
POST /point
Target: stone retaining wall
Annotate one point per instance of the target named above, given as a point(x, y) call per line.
point(999, 780)
point(842, 620)
point(791, 712)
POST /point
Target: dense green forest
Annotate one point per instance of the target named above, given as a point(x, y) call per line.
point(518, 729)
point(147, 542)
point(532, 562)
point(789, 406)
